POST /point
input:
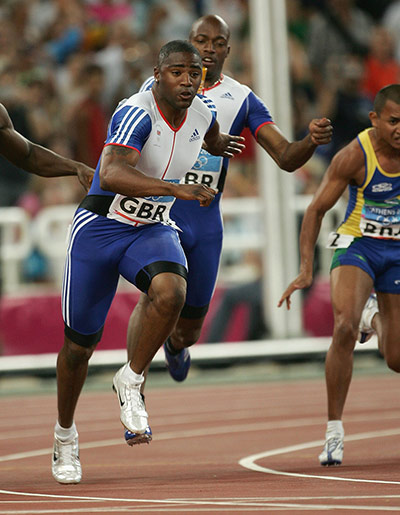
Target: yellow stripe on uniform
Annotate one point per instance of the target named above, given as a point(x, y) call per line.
point(352, 224)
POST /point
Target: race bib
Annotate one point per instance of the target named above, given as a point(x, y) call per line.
point(206, 170)
point(338, 241)
point(142, 210)
point(381, 220)
point(377, 230)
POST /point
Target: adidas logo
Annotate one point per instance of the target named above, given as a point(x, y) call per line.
point(195, 136)
point(227, 95)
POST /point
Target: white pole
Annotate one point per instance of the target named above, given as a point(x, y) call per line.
point(271, 74)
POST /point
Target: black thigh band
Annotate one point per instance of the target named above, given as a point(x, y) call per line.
point(146, 274)
point(193, 312)
point(99, 204)
point(84, 340)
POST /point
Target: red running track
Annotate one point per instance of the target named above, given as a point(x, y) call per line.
point(238, 448)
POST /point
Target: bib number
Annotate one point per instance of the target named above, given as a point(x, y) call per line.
point(376, 230)
point(136, 210)
point(339, 241)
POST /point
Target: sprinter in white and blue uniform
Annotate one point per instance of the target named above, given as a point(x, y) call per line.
point(123, 228)
point(237, 107)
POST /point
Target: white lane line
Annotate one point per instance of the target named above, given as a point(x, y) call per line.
point(192, 503)
point(218, 504)
point(249, 461)
point(284, 424)
point(246, 462)
point(202, 432)
point(236, 500)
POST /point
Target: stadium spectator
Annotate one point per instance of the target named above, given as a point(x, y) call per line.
point(344, 102)
point(337, 29)
point(88, 122)
point(391, 21)
point(380, 66)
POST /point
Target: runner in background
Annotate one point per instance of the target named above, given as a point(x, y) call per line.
point(367, 254)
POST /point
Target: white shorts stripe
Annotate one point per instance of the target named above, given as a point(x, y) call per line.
point(77, 217)
point(80, 220)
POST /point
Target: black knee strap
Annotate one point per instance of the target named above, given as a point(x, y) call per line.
point(146, 274)
point(193, 312)
point(84, 340)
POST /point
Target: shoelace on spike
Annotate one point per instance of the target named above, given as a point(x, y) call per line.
point(333, 443)
point(67, 453)
point(134, 400)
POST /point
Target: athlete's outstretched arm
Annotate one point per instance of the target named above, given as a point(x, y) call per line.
point(36, 159)
point(346, 166)
point(290, 156)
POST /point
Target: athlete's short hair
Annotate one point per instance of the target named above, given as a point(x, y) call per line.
point(174, 47)
point(213, 19)
point(391, 92)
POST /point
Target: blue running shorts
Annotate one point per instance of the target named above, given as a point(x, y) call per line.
point(99, 251)
point(201, 239)
point(379, 258)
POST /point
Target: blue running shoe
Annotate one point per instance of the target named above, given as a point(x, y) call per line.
point(137, 438)
point(178, 365)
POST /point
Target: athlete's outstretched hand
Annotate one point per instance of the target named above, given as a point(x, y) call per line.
point(320, 131)
point(221, 144)
point(85, 175)
point(303, 280)
point(204, 194)
point(226, 145)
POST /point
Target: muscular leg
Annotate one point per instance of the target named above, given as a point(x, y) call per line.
point(72, 367)
point(387, 326)
point(134, 325)
point(151, 323)
point(350, 288)
point(186, 331)
point(155, 319)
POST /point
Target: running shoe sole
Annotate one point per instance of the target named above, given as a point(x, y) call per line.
point(137, 438)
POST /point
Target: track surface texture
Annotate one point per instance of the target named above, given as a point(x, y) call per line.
point(239, 447)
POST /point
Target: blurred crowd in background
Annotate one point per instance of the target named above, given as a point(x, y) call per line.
point(65, 65)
